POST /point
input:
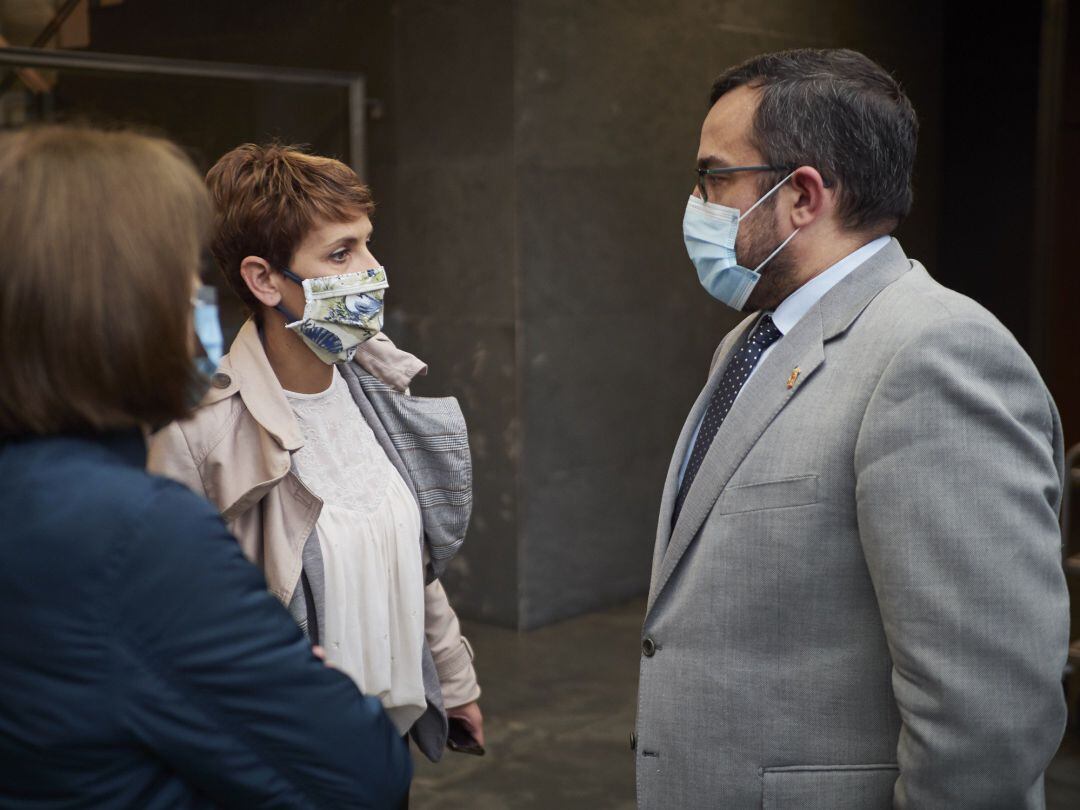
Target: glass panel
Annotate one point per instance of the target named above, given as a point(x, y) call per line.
point(207, 116)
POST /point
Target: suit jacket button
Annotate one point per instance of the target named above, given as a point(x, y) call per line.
point(633, 741)
point(221, 380)
point(648, 646)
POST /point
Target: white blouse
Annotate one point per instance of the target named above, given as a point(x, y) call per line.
point(369, 533)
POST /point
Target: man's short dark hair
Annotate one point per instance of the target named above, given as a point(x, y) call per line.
point(843, 114)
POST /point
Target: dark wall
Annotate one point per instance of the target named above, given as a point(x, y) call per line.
point(531, 161)
point(991, 92)
point(1060, 300)
point(1061, 293)
point(451, 208)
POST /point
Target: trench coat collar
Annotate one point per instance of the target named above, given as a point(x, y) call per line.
point(260, 390)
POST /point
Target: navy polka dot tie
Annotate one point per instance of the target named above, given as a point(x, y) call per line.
point(765, 334)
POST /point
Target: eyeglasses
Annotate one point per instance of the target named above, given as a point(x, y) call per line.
point(702, 174)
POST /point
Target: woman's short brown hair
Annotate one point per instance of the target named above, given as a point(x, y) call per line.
point(101, 236)
point(267, 198)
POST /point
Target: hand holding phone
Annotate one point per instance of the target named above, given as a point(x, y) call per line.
point(461, 739)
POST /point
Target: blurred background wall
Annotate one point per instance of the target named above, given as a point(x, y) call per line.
point(531, 160)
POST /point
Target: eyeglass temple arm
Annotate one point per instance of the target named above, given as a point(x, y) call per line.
point(703, 173)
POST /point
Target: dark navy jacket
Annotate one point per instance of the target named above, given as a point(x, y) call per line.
point(144, 664)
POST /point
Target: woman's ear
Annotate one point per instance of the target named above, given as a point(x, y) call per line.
point(261, 280)
point(813, 199)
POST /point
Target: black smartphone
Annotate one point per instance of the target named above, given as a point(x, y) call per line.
point(460, 739)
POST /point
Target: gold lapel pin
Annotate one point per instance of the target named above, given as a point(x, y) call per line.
point(795, 372)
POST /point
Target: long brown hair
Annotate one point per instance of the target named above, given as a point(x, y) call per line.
point(101, 234)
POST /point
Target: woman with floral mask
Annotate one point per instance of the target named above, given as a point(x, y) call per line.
point(350, 495)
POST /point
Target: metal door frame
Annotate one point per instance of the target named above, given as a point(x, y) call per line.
point(352, 83)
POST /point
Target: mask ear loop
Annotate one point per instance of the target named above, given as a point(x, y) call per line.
point(768, 194)
point(291, 276)
point(782, 246)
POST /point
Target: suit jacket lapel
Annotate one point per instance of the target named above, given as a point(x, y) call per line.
point(682, 447)
point(764, 396)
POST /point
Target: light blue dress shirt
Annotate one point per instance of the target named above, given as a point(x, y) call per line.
point(796, 305)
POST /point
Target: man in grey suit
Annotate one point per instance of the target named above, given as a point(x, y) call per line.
point(857, 599)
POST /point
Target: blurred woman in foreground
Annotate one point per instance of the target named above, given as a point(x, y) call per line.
point(142, 661)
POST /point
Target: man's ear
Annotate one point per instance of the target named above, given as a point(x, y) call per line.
point(261, 280)
point(813, 200)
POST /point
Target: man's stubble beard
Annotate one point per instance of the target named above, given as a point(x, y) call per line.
point(778, 277)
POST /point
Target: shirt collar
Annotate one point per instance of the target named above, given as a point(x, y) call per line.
point(791, 311)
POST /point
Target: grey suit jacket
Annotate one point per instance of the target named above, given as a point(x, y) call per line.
point(862, 603)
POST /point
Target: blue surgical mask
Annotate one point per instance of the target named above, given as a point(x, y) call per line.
point(208, 329)
point(709, 231)
point(208, 332)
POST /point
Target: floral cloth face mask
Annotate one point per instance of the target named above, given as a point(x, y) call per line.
point(340, 312)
